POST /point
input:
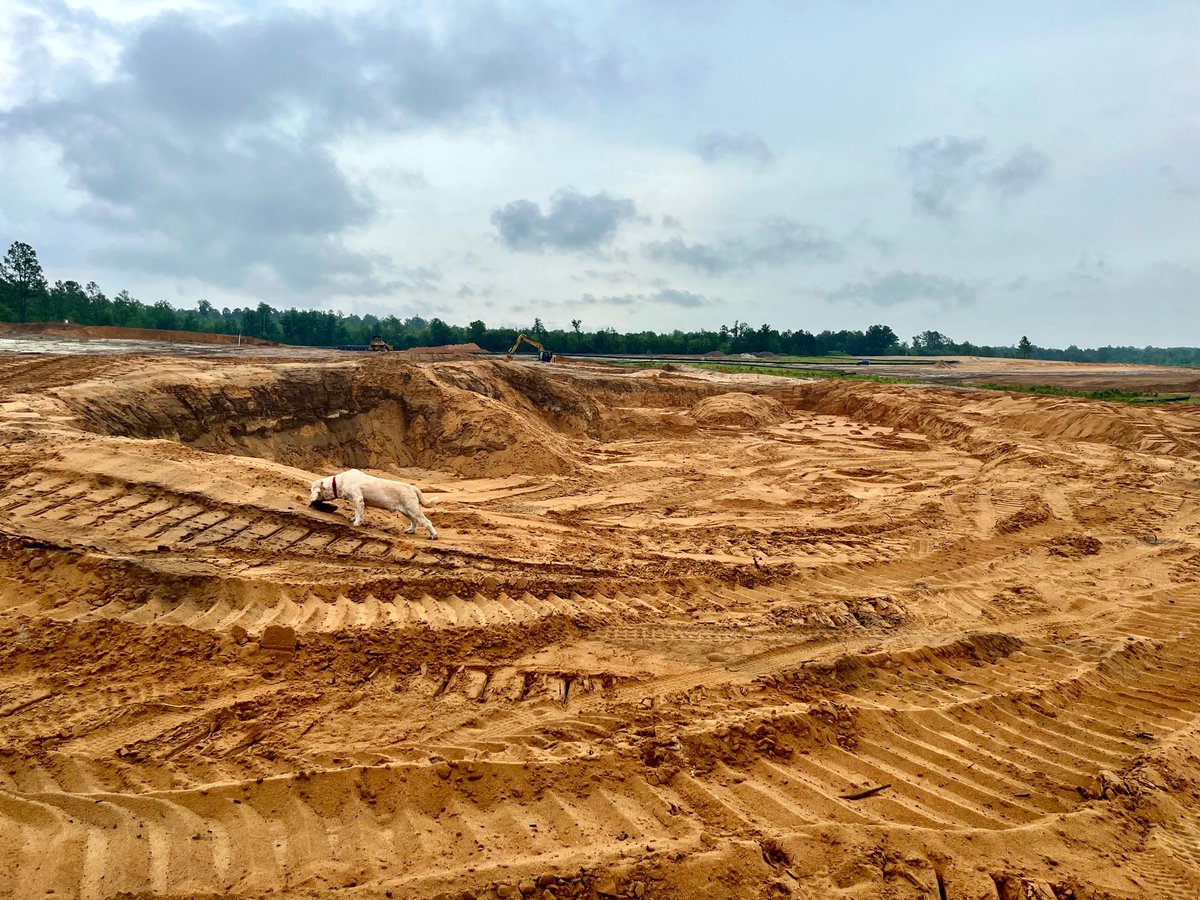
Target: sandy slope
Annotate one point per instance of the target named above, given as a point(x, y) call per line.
point(674, 624)
point(111, 332)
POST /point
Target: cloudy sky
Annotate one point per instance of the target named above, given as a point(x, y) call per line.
point(1024, 168)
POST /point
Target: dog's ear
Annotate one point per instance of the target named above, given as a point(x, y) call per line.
point(316, 491)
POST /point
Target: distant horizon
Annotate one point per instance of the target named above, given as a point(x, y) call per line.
point(93, 308)
point(831, 354)
point(991, 171)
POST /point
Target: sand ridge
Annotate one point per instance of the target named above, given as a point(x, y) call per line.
point(678, 629)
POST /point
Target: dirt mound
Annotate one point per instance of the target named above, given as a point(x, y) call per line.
point(112, 332)
point(736, 408)
point(1073, 546)
point(443, 352)
point(1034, 512)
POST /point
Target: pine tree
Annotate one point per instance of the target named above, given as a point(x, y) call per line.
point(22, 279)
point(1024, 348)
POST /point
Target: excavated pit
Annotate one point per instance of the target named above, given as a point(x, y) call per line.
point(479, 419)
point(682, 635)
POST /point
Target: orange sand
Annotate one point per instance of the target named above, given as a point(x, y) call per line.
point(676, 626)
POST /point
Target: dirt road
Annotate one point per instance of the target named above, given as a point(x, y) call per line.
point(683, 635)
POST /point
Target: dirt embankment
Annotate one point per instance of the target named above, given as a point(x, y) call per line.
point(114, 333)
point(473, 419)
point(980, 422)
point(679, 637)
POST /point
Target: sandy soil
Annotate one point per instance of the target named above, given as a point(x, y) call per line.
point(112, 332)
point(684, 635)
point(1028, 372)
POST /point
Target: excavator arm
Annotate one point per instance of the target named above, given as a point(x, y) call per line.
point(543, 354)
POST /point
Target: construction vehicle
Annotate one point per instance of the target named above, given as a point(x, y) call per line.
point(379, 345)
point(544, 355)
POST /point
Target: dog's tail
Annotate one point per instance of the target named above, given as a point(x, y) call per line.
point(429, 502)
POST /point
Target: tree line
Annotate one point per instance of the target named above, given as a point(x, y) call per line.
point(26, 296)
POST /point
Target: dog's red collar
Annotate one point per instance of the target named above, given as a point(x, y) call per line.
point(335, 496)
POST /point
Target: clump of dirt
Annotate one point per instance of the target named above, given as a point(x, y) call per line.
point(1073, 546)
point(851, 672)
point(931, 513)
point(1017, 600)
point(667, 750)
point(863, 612)
point(1034, 513)
point(739, 409)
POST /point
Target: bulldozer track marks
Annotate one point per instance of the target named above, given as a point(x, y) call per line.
point(946, 768)
point(275, 835)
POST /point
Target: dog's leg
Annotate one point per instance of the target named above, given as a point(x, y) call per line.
point(412, 524)
point(357, 499)
point(428, 525)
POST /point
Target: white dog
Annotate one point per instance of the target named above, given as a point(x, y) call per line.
point(364, 490)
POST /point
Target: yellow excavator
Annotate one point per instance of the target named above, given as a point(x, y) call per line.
point(379, 345)
point(543, 354)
